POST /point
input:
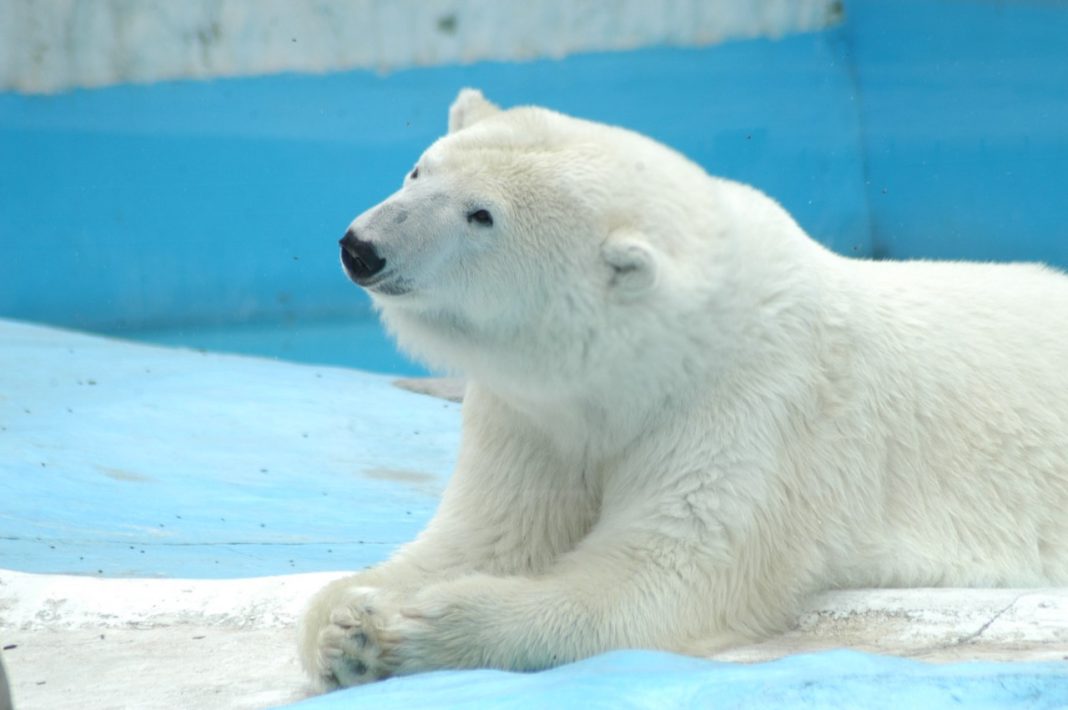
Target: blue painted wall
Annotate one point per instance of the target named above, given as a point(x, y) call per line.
point(964, 111)
point(196, 202)
point(919, 128)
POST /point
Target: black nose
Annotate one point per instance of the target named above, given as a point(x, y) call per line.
point(359, 258)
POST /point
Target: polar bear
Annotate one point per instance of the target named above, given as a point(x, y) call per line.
point(683, 414)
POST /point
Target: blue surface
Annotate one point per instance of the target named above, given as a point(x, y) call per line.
point(921, 128)
point(964, 111)
point(119, 459)
point(182, 204)
point(643, 679)
point(934, 128)
point(924, 128)
point(359, 341)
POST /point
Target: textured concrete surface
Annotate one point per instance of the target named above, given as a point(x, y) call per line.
point(230, 643)
point(74, 642)
point(56, 44)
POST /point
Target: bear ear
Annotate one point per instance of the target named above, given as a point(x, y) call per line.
point(469, 108)
point(632, 264)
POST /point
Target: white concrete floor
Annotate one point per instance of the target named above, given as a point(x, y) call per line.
point(96, 644)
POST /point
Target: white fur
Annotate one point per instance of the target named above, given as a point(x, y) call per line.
point(684, 415)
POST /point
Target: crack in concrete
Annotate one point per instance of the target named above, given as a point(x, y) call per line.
point(976, 634)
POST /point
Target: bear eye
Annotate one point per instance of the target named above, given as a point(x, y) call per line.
point(482, 217)
point(415, 173)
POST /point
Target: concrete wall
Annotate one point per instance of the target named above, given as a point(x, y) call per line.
point(187, 203)
point(922, 128)
point(964, 113)
point(51, 45)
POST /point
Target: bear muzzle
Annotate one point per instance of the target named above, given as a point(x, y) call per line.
point(360, 259)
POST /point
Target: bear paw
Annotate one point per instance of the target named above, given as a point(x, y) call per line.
point(349, 646)
point(344, 637)
point(354, 634)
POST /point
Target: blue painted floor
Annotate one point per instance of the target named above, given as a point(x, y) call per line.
point(644, 679)
point(120, 459)
point(127, 460)
point(352, 342)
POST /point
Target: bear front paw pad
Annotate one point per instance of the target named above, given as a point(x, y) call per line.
point(349, 646)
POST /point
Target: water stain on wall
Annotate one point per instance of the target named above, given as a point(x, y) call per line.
point(425, 483)
point(119, 474)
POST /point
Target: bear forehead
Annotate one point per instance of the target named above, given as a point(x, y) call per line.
point(514, 173)
point(517, 132)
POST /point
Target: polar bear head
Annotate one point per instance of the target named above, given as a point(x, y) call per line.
point(528, 245)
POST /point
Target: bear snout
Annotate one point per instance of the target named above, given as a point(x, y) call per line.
point(360, 259)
